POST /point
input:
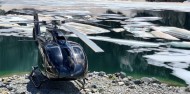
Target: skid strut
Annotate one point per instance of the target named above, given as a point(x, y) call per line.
point(81, 82)
point(37, 82)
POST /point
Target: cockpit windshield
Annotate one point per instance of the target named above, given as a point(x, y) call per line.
point(79, 54)
point(60, 37)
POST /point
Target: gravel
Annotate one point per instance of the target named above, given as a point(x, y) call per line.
point(96, 83)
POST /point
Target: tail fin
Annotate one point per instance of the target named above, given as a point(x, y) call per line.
point(36, 29)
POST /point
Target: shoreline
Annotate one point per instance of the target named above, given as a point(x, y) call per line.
point(97, 83)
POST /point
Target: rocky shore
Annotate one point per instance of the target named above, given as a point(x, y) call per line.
point(96, 83)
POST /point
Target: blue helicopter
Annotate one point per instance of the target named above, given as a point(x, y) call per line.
point(62, 60)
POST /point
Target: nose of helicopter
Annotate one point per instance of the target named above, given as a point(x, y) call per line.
point(79, 71)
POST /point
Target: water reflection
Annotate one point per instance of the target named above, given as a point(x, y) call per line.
point(125, 64)
point(16, 56)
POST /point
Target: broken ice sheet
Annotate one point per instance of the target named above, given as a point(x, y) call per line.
point(11, 18)
point(87, 29)
point(118, 29)
point(139, 24)
point(132, 43)
point(182, 73)
point(143, 19)
point(139, 31)
point(169, 57)
point(182, 44)
point(125, 42)
point(183, 51)
point(137, 50)
point(173, 31)
point(163, 35)
point(176, 67)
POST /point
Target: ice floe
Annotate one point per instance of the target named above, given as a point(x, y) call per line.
point(139, 24)
point(169, 57)
point(162, 35)
point(139, 31)
point(143, 19)
point(174, 31)
point(182, 73)
point(118, 29)
point(87, 29)
point(176, 67)
point(132, 43)
point(174, 59)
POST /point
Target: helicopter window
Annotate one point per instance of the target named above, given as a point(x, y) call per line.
point(78, 52)
point(61, 38)
point(48, 36)
point(60, 35)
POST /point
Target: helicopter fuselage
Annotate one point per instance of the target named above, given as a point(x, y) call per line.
point(61, 59)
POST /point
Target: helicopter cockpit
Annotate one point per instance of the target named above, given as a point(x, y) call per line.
point(60, 38)
point(79, 54)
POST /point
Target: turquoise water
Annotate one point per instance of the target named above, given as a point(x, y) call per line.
point(16, 56)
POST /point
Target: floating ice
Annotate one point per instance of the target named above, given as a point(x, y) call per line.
point(179, 65)
point(11, 19)
point(174, 31)
point(179, 51)
point(177, 68)
point(182, 73)
point(180, 44)
point(162, 35)
point(118, 29)
point(143, 19)
point(132, 43)
point(138, 24)
point(87, 29)
point(113, 17)
point(139, 32)
point(157, 63)
point(169, 57)
point(137, 50)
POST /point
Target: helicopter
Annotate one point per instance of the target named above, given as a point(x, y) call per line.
point(62, 59)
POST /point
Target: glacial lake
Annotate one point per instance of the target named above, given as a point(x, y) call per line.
point(170, 65)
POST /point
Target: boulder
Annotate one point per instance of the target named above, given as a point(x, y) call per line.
point(154, 80)
point(122, 75)
point(187, 89)
point(121, 83)
point(101, 73)
point(130, 78)
point(137, 82)
point(93, 86)
point(132, 87)
point(146, 79)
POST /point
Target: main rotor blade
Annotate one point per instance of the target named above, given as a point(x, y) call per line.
point(21, 22)
point(84, 38)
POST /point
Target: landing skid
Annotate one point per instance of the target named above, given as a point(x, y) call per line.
point(35, 77)
point(38, 79)
point(81, 82)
